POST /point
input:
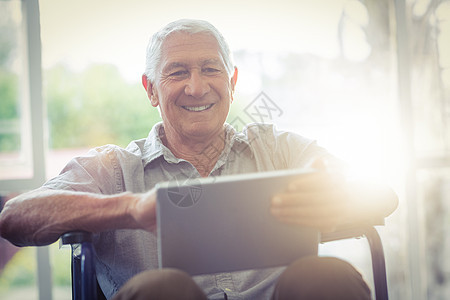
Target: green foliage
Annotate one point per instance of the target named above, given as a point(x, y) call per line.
point(95, 107)
point(60, 260)
point(9, 92)
point(20, 270)
point(8, 37)
point(9, 141)
point(8, 95)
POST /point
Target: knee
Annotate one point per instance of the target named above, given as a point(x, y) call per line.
point(315, 270)
point(319, 267)
point(169, 276)
point(316, 277)
point(161, 284)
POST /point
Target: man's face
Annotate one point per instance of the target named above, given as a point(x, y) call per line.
point(192, 87)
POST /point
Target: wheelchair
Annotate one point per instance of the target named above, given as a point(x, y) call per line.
point(85, 286)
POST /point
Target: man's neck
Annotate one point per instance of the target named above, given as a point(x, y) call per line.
point(203, 155)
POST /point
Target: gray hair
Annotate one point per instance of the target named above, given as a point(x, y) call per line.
point(153, 56)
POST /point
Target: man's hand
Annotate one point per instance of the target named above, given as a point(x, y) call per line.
point(144, 210)
point(325, 200)
point(316, 200)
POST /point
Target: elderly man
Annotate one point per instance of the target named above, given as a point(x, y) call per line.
point(190, 77)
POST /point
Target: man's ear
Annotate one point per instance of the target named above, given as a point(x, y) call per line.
point(233, 81)
point(150, 92)
point(234, 78)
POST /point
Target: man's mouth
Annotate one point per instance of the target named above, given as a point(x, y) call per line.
point(198, 108)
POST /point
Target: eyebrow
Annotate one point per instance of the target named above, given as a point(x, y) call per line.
point(175, 65)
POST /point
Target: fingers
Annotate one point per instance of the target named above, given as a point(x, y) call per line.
point(322, 224)
point(315, 197)
point(316, 181)
point(326, 210)
point(319, 164)
point(144, 210)
point(315, 200)
point(324, 216)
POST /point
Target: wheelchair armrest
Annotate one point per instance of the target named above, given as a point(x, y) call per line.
point(76, 237)
point(84, 280)
point(350, 230)
point(368, 230)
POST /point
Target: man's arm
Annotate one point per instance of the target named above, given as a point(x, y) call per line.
point(39, 217)
point(327, 201)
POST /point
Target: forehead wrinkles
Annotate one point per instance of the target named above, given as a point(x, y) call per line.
point(183, 50)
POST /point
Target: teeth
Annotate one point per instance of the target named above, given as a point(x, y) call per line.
point(197, 108)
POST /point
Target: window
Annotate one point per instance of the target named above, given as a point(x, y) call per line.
point(21, 138)
point(21, 134)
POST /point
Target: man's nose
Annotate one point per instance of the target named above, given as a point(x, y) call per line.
point(196, 85)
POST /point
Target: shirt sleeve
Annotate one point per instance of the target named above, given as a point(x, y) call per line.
point(300, 152)
point(96, 172)
point(287, 150)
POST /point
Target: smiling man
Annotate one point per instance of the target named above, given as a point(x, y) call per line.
point(193, 89)
point(110, 191)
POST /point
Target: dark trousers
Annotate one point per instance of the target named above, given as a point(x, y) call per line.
point(307, 278)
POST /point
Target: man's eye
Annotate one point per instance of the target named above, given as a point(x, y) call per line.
point(180, 73)
point(211, 70)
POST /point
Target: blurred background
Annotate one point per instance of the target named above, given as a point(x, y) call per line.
point(368, 79)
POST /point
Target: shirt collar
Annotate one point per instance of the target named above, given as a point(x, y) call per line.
point(154, 147)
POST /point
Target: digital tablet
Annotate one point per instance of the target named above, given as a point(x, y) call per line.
point(223, 224)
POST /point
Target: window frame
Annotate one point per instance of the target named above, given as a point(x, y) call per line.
point(32, 110)
point(32, 107)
